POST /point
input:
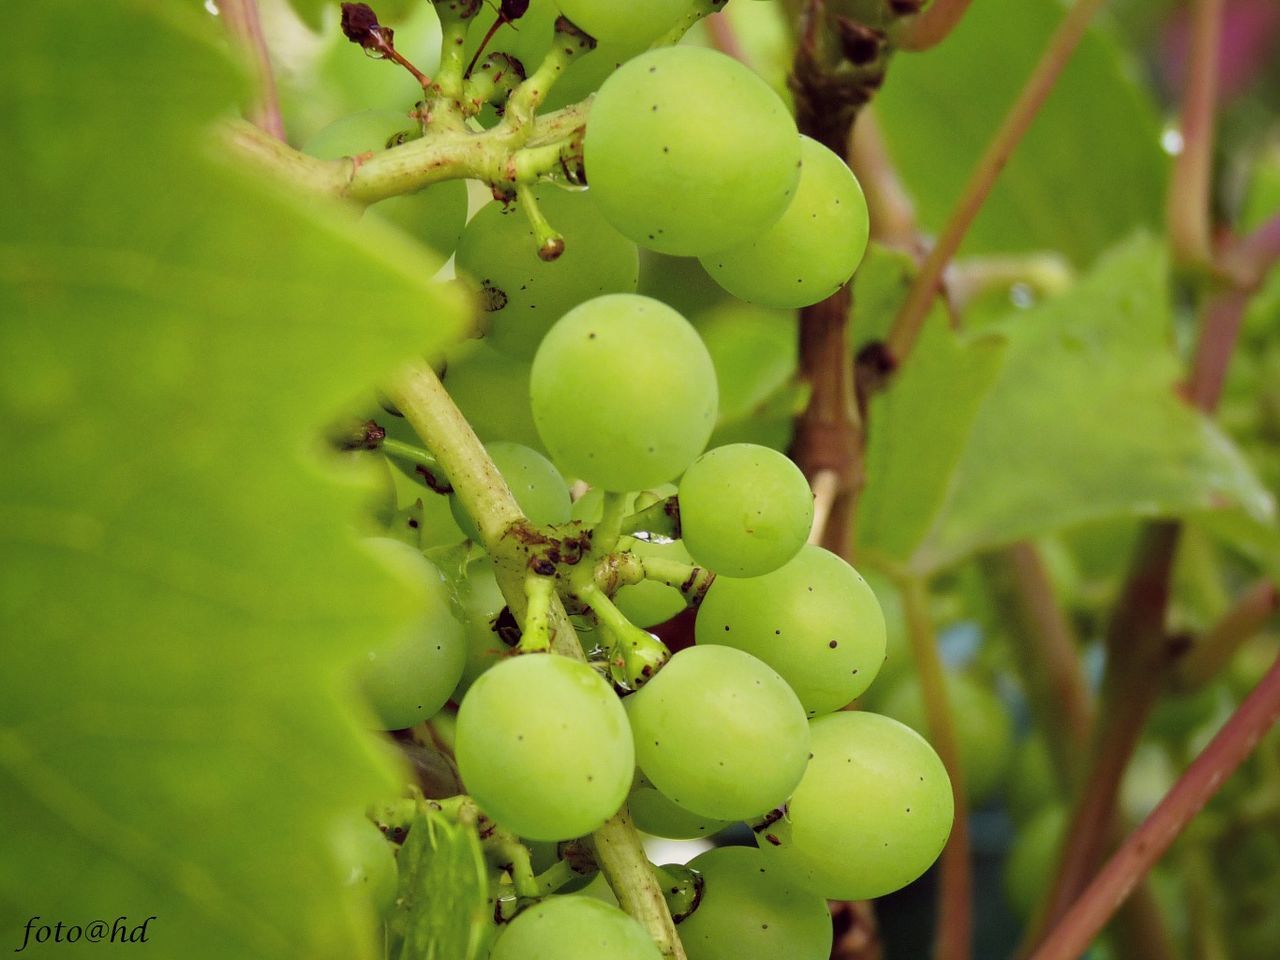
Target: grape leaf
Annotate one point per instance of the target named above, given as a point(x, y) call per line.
point(1081, 423)
point(1089, 170)
point(183, 595)
point(442, 906)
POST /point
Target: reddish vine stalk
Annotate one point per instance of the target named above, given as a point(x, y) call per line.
point(1139, 853)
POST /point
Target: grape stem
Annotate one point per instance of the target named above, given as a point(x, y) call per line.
point(954, 937)
point(691, 580)
point(661, 518)
point(422, 398)
point(536, 637)
point(906, 326)
point(245, 28)
point(1139, 853)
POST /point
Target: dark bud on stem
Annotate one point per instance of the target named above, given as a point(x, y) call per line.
point(860, 43)
point(514, 9)
point(360, 25)
point(551, 249)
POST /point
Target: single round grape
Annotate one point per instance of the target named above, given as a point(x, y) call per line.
point(814, 620)
point(649, 603)
point(656, 814)
point(580, 927)
point(630, 23)
point(409, 678)
point(745, 510)
point(1032, 857)
point(1032, 783)
point(492, 391)
point(536, 484)
point(688, 151)
point(624, 394)
point(367, 862)
point(982, 725)
point(435, 215)
point(871, 814)
point(812, 249)
point(746, 912)
point(525, 294)
point(720, 733)
point(481, 601)
point(543, 747)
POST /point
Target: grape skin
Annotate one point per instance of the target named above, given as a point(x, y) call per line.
point(624, 393)
point(687, 151)
point(578, 927)
point(525, 294)
point(814, 620)
point(544, 748)
point(871, 814)
point(745, 510)
point(719, 733)
point(812, 249)
point(746, 912)
point(540, 491)
point(408, 678)
point(629, 23)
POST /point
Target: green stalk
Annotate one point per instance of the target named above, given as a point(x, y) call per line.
point(425, 403)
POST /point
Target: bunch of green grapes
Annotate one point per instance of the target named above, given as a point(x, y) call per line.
point(582, 389)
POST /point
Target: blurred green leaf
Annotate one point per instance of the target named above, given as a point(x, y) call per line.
point(919, 430)
point(182, 592)
point(1089, 171)
point(1082, 423)
point(442, 907)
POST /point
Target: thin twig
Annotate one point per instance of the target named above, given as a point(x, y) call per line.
point(1252, 610)
point(893, 216)
point(953, 939)
point(906, 326)
point(1233, 743)
point(1188, 204)
point(1137, 661)
point(826, 487)
point(245, 27)
point(933, 25)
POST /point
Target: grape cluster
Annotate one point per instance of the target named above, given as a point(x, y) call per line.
point(581, 381)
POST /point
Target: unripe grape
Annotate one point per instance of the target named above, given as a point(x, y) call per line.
point(623, 392)
point(871, 814)
point(809, 252)
point(687, 151)
point(543, 747)
point(408, 678)
point(814, 620)
point(577, 927)
point(744, 510)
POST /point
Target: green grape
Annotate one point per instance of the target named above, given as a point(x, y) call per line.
point(814, 620)
point(492, 391)
point(588, 71)
point(367, 862)
point(544, 748)
point(688, 151)
point(481, 601)
point(656, 814)
point(536, 484)
point(578, 927)
point(681, 283)
point(409, 678)
point(871, 814)
point(1032, 857)
point(624, 394)
point(720, 733)
point(649, 603)
point(1032, 782)
point(434, 215)
point(812, 249)
point(631, 23)
point(745, 510)
point(746, 912)
point(525, 294)
point(981, 723)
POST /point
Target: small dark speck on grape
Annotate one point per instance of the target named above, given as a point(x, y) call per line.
point(855, 669)
point(777, 633)
point(591, 336)
point(764, 926)
point(833, 644)
point(726, 628)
